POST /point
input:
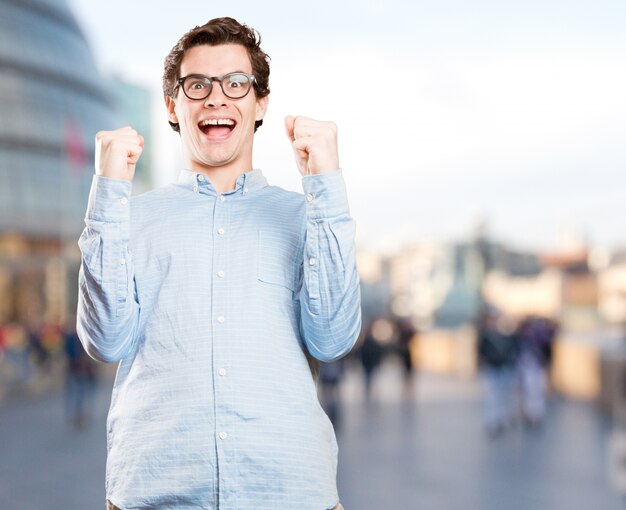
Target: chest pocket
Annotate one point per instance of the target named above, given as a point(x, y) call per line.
point(278, 260)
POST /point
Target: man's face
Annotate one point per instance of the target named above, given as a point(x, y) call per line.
point(228, 145)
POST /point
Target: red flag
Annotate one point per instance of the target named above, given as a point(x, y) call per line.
point(74, 147)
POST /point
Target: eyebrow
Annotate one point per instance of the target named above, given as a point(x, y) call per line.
point(229, 72)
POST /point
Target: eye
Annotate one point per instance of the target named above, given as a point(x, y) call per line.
point(196, 85)
point(236, 81)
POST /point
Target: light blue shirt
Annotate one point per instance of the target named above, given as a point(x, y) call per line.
point(210, 301)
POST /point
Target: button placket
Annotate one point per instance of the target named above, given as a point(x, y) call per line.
point(220, 249)
point(223, 391)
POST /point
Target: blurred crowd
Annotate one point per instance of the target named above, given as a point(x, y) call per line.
point(513, 357)
point(515, 361)
point(381, 338)
point(36, 359)
point(26, 352)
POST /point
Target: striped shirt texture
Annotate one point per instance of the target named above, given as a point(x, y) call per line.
point(213, 304)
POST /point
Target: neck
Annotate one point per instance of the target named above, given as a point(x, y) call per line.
point(223, 179)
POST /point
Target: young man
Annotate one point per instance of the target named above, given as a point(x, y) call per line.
point(215, 293)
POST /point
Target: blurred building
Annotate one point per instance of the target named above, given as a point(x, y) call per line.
point(443, 287)
point(53, 102)
point(375, 285)
point(612, 289)
point(132, 107)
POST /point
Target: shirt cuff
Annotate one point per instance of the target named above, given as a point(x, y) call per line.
point(109, 200)
point(325, 195)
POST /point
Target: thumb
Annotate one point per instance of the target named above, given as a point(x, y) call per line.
point(134, 153)
point(289, 126)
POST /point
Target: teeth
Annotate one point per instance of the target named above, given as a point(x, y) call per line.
point(217, 122)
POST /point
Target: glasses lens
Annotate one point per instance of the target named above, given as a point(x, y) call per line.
point(236, 85)
point(197, 87)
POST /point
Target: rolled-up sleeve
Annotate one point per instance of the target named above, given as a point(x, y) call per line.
point(107, 307)
point(330, 297)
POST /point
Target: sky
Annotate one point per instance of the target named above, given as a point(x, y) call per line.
point(451, 113)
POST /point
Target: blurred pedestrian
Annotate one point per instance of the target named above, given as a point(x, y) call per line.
point(371, 352)
point(3, 340)
point(535, 337)
point(329, 389)
point(37, 349)
point(17, 353)
point(406, 338)
point(497, 354)
point(80, 379)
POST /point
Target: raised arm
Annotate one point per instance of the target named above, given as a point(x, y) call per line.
point(330, 301)
point(107, 306)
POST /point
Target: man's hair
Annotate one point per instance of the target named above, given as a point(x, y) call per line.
point(214, 32)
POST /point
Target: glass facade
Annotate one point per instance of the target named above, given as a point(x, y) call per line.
point(53, 102)
point(132, 104)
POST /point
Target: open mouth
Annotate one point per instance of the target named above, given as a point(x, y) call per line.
point(217, 128)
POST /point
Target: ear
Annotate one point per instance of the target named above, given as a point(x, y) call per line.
point(261, 107)
point(170, 104)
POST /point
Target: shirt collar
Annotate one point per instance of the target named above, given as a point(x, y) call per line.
point(246, 182)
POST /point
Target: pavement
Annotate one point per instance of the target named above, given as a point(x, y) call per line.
point(426, 450)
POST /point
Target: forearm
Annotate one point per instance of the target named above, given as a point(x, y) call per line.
point(330, 295)
point(107, 307)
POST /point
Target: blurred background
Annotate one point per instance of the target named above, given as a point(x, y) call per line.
point(483, 144)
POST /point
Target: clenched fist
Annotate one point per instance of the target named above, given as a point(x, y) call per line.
point(117, 153)
point(314, 143)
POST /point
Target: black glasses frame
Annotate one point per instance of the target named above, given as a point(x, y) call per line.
point(211, 79)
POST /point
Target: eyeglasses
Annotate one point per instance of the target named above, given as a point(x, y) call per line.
point(233, 85)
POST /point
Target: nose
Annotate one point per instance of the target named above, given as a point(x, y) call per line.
point(216, 97)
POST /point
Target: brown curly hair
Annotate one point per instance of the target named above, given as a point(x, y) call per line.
point(214, 32)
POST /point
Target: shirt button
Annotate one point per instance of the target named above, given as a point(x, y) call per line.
point(222, 198)
point(309, 197)
point(222, 372)
point(221, 319)
point(123, 201)
point(312, 261)
point(223, 435)
point(122, 262)
point(221, 231)
point(195, 189)
point(221, 274)
point(246, 189)
point(201, 177)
